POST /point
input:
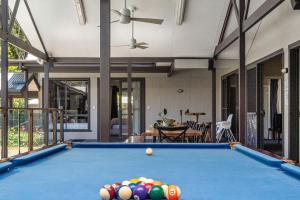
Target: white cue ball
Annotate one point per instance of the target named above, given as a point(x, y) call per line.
point(149, 151)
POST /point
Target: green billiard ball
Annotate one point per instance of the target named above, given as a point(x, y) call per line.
point(156, 193)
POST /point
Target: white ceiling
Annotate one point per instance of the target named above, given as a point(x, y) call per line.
point(232, 52)
point(63, 36)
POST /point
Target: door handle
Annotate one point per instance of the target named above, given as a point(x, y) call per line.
point(263, 113)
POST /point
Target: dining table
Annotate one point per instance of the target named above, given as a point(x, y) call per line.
point(192, 134)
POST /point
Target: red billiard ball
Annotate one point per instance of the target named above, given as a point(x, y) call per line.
point(107, 192)
point(116, 185)
point(148, 186)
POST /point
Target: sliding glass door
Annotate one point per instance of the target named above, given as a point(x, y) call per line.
point(119, 108)
point(136, 106)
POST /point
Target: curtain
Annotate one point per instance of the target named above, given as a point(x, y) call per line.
point(273, 101)
point(114, 102)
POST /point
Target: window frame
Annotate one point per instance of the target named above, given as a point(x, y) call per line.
point(88, 100)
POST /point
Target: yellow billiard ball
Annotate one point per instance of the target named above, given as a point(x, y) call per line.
point(149, 151)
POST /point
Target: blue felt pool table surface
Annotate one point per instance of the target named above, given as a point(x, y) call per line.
point(208, 174)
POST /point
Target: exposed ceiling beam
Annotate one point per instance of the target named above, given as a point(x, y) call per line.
point(236, 10)
point(246, 9)
point(13, 16)
point(180, 11)
point(227, 42)
point(225, 23)
point(80, 12)
point(96, 60)
point(114, 60)
point(211, 64)
point(267, 7)
point(172, 70)
point(36, 28)
point(141, 59)
point(22, 45)
point(95, 69)
point(87, 65)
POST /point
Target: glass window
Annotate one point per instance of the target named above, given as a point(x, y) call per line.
point(73, 97)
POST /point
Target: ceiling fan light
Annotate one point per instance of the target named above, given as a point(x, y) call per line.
point(180, 11)
point(80, 12)
point(125, 17)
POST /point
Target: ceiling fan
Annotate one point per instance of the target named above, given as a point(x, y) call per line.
point(133, 42)
point(125, 16)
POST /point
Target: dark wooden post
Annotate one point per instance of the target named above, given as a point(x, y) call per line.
point(242, 75)
point(4, 79)
point(19, 131)
point(30, 129)
point(120, 110)
point(104, 71)
point(61, 126)
point(214, 100)
point(259, 105)
point(129, 94)
point(294, 104)
point(26, 88)
point(45, 112)
point(54, 122)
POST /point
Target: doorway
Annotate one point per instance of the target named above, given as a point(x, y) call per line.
point(294, 101)
point(119, 108)
point(230, 100)
point(270, 104)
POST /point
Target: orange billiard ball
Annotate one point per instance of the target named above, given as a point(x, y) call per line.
point(173, 192)
point(157, 183)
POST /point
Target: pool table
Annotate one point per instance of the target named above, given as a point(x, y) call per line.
point(202, 171)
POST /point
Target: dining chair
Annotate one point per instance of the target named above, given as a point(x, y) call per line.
point(172, 134)
point(224, 129)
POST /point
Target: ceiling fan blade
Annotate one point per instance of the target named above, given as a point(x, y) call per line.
point(141, 43)
point(141, 47)
point(125, 45)
point(148, 20)
point(116, 12)
point(114, 21)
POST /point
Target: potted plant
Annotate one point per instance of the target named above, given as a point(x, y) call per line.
point(165, 121)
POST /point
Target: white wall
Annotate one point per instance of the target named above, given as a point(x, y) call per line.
point(162, 93)
point(278, 30)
